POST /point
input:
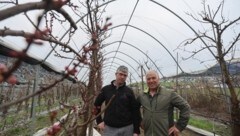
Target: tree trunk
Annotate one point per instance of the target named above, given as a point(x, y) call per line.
point(235, 109)
point(235, 115)
point(91, 89)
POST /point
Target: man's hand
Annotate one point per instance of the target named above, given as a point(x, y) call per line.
point(173, 131)
point(141, 125)
point(101, 126)
point(135, 134)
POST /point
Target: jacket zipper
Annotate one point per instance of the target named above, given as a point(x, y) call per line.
point(151, 114)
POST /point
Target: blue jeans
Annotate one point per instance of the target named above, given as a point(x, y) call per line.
point(122, 131)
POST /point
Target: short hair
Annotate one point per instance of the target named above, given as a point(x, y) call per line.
point(122, 69)
point(152, 72)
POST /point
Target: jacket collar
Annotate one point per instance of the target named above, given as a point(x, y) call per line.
point(146, 91)
point(113, 84)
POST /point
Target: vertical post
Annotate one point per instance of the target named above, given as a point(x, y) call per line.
point(225, 93)
point(1, 92)
point(33, 105)
point(60, 92)
point(142, 77)
point(177, 90)
point(130, 78)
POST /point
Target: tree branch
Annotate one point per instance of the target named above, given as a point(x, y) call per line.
point(226, 26)
point(8, 32)
point(12, 11)
point(233, 43)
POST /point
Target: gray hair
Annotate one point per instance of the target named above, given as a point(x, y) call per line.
point(122, 69)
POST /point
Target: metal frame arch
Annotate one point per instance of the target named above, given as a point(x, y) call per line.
point(111, 71)
point(184, 23)
point(151, 37)
point(115, 71)
point(87, 71)
point(64, 34)
point(123, 54)
point(157, 3)
point(126, 63)
point(138, 50)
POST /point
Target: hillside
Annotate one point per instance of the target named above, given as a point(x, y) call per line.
point(215, 70)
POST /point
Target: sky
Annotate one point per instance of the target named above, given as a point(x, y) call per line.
point(154, 36)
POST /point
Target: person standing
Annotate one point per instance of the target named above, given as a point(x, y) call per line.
point(158, 105)
point(122, 116)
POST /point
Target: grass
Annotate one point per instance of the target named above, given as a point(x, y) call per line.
point(26, 129)
point(19, 131)
point(203, 124)
point(43, 121)
point(210, 126)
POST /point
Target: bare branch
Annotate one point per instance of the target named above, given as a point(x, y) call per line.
point(67, 16)
point(213, 28)
point(12, 11)
point(8, 32)
point(7, 13)
point(215, 13)
point(90, 119)
point(211, 21)
point(232, 45)
point(196, 19)
point(231, 23)
point(198, 51)
point(3, 106)
point(9, 2)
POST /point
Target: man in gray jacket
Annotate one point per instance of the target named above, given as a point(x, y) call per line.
point(158, 105)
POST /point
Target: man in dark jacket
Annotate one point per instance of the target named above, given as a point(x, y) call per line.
point(158, 105)
point(122, 116)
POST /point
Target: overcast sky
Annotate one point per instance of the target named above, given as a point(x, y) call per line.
point(154, 32)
